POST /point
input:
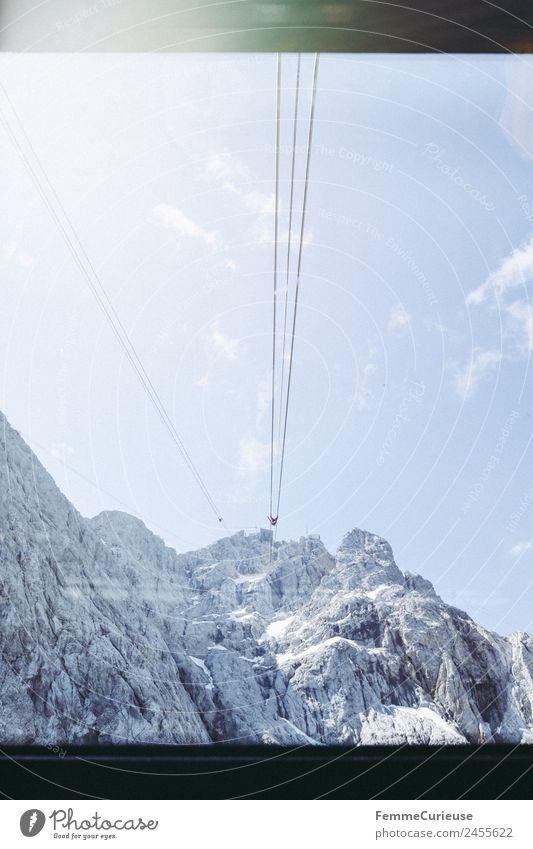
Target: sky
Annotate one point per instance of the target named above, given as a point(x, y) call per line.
point(411, 411)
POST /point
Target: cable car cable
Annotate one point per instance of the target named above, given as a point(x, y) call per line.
point(271, 518)
point(298, 274)
point(289, 237)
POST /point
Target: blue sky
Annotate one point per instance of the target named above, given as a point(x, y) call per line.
point(411, 412)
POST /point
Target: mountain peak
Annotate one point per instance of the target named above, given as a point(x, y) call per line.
point(109, 636)
point(418, 584)
point(359, 540)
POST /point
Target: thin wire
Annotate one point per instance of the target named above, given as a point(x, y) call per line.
point(294, 135)
point(298, 272)
point(76, 247)
point(34, 444)
point(276, 210)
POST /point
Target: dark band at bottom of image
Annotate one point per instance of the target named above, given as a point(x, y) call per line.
point(269, 772)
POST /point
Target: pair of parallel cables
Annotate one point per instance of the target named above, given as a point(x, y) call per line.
point(278, 442)
point(24, 147)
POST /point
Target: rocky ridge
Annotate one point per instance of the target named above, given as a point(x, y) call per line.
point(109, 636)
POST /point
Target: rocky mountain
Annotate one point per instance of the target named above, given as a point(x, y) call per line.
point(108, 636)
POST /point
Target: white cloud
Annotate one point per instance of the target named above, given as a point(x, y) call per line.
point(399, 319)
point(10, 253)
point(174, 219)
point(481, 364)
point(515, 270)
point(262, 203)
point(61, 450)
point(222, 165)
point(204, 381)
point(363, 394)
point(521, 548)
point(234, 177)
point(522, 313)
point(225, 345)
point(253, 455)
point(229, 264)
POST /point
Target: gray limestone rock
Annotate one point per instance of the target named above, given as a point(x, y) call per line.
point(107, 635)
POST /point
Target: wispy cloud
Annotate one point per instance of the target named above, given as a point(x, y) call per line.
point(399, 319)
point(521, 548)
point(223, 165)
point(521, 312)
point(363, 393)
point(262, 206)
point(235, 178)
point(171, 218)
point(481, 364)
point(61, 450)
point(10, 252)
point(262, 203)
point(223, 344)
point(515, 270)
point(203, 381)
point(253, 455)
